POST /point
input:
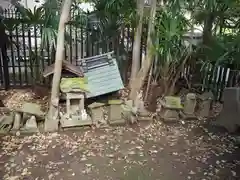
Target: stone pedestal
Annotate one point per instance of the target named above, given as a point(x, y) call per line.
point(115, 112)
point(170, 108)
point(97, 114)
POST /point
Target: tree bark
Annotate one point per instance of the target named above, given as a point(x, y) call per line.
point(207, 29)
point(137, 42)
point(52, 119)
point(139, 80)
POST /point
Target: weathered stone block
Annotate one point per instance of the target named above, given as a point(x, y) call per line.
point(229, 116)
point(115, 111)
point(97, 113)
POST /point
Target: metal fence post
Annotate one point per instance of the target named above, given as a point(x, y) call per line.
point(4, 58)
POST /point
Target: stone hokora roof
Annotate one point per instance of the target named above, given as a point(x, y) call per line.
point(66, 66)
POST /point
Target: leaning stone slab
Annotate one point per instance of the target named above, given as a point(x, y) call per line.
point(32, 109)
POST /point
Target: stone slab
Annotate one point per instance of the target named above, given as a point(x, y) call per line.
point(229, 116)
point(75, 121)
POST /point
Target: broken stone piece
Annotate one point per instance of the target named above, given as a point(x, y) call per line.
point(6, 123)
point(31, 124)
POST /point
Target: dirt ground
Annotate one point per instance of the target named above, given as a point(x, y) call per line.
point(144, 152)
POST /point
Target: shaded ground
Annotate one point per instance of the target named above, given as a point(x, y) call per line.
point(149, 151)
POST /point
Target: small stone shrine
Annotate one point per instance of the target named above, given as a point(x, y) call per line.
point(115, 112)
point(75, 114)
point(205, 103)
point(189, 107)
point(170, 107)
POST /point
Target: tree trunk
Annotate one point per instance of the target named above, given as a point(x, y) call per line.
point(207, 29)
point(137, 42)
point(139, 80)
point(52, 119)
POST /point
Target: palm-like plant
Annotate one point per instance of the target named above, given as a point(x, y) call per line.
point(171, 51)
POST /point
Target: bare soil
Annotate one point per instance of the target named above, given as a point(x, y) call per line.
point(152, 151)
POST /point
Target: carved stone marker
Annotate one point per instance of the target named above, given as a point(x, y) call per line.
point(229, 116)
point(205, 103)
point(115, 112)
point(97, 114)
point(170, 107)
point(189, 106)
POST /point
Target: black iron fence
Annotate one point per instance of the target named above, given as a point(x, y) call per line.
point(25, 58)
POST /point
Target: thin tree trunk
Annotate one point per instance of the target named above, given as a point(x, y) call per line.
point(52, 119)
point(139, 80)
point(149, 82)
point(137, 42)
point(207, 30)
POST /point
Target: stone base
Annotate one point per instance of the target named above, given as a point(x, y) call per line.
point(144, 118)
point(75, 121)
point(185, 116)
point(117, 122)
point(169, 115)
